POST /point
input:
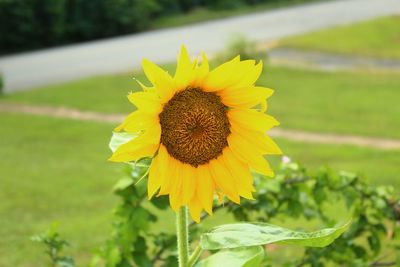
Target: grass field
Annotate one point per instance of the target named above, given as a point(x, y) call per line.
point(360, 103)
point(53, 170)
point(57, 171)
point(375, 38)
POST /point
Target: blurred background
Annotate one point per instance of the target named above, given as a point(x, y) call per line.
point(66, 67)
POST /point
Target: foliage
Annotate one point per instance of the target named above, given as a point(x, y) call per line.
point(33, 24)
point(42, 23)
point(128, 245)
point(252, 234)
point(239, 45)
point(54, 247)
point(294, 193)
point(246, 257)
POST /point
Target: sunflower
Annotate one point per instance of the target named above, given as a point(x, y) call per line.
point(205, 130)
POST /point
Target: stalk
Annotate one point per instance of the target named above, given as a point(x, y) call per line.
point(195, 256)
point(182, 233)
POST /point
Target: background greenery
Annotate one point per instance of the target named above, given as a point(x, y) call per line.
point(347, 102)
point(55, 169)
point(33, 24)
point(375, 38)
point(295, 196)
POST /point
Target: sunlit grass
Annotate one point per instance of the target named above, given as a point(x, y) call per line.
point(362, 103)
point(53, 170)
point(378, 38)
point(56, 170)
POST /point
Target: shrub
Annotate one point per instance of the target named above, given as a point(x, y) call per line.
point(240, 45)
point(33, 24)
point(294, 193)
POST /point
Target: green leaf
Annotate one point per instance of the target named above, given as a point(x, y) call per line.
point(65, 262)
point(114, 257)
point(123, 184)
point(119, 139)
point(254, 234)
point(238, 257)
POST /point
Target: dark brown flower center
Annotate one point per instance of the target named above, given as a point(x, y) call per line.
point(194, 126)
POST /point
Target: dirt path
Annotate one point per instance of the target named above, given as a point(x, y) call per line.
point(61, 112)
point(293, 135)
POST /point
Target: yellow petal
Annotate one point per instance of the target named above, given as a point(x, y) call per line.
point(184, 70)
point(218, 78)
point(138, 121)
point(188, 183)
point(263, 143)
point(223, 179)
point(233, 74)
point(144, 87)
point(252, 119)
point(245, 97)
point(144, 145)
point(240, 172)
point(249, 75)
point(195, 209)
point(155, 178)
point(127, 152)
point(167, 169)
point(162, 81)
point(200, 73)
point(175, 194)
point(245, 152)
point(146, 101)
point(205, 188)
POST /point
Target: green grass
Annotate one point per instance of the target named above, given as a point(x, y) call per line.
point(361, 103)
point(56, 170)
point(382, 167)
point(376, 38)
point(53, 170)
point(204, 14)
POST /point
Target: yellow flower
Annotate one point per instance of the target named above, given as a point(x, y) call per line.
point(204, 131)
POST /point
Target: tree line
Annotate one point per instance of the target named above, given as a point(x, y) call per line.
point(34, 24)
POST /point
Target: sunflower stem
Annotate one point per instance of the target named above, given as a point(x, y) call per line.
point(194, 256)
point(182, 233)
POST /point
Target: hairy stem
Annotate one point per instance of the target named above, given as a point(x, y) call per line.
point(182, 234)
point(195, 256)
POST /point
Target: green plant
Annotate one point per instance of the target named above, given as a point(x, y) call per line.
point(240, 45)
point(54, 247)
point(294, 194)
point(372, 239)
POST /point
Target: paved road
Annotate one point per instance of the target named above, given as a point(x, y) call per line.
point(28, 70)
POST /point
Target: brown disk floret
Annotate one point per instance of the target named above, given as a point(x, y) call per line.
point(194, 126)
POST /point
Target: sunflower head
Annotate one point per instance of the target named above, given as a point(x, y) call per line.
point(205, 130)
